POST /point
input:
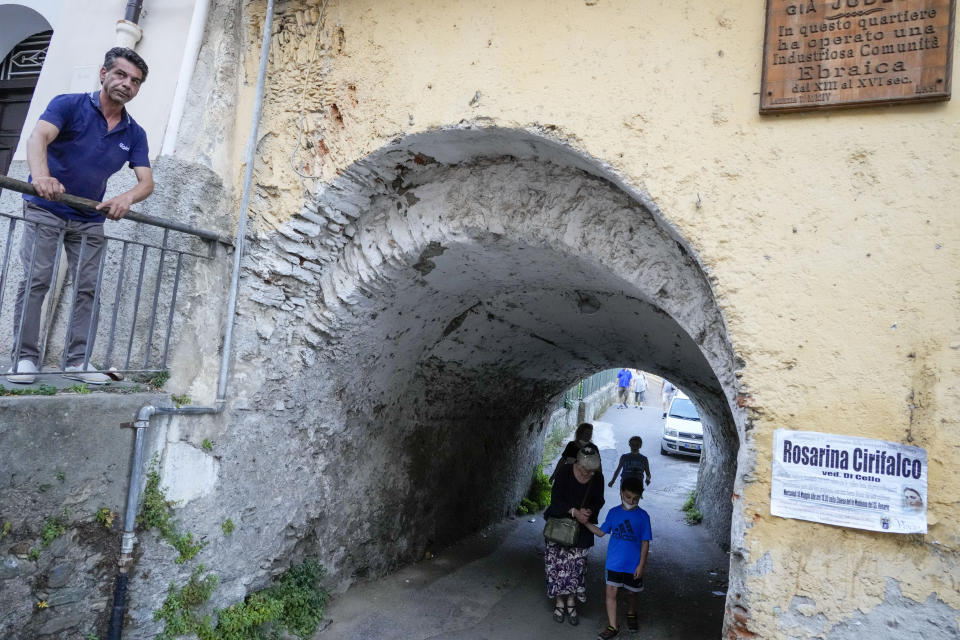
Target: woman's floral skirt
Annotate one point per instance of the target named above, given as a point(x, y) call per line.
point(566, 571)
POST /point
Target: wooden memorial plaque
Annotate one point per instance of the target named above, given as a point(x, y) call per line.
point(820, 54)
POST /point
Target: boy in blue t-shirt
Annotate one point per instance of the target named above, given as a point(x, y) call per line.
point(629, 526)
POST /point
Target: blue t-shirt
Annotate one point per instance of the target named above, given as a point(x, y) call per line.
point(84, 154)
point(627, 529)
point(624, 378)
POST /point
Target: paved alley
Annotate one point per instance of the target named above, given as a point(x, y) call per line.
point(490, 586)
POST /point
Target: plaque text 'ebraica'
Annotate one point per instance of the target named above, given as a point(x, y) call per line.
point(839, 53)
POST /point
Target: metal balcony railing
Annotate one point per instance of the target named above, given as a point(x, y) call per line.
point(137, 286)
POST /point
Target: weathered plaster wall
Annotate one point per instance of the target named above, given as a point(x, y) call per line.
point(508, 193)
point(829, 239)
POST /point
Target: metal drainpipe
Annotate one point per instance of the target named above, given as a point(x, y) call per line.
point(145, 413)
point(133, 11)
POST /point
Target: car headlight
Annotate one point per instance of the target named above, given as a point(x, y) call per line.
point(670, 433)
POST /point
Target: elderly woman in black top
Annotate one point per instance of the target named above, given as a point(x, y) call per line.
point(578, 494)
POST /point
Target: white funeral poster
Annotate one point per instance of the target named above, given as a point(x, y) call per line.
point(849, 481)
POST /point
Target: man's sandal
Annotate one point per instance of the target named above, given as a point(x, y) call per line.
point(632, 622)
point(572, 616)
point(558, 613)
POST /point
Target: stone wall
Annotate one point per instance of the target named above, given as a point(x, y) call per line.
point(66, 458)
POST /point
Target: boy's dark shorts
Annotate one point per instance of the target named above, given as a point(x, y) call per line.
point(625, 580)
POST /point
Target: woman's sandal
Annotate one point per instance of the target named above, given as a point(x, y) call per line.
point(572, 616)
point(558, 613)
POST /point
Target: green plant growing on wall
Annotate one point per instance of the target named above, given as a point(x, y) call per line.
point(54, 527)
point(294, 604)
point(178, 611)
point(206, 445)
point(61, 476)
point(554, 442)
point(81, 389)
point(105, 517)
point(180, 400)
point(41, 390)
point(159, 379)
point(33, 554)
point(7, 526)
point(228, 527)
point(155, 514)
point(538, 496)
point(690, 511)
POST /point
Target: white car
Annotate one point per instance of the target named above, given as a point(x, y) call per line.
point(682, 431)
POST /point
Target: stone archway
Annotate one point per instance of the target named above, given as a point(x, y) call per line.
point(441, 292)
point(454, 282)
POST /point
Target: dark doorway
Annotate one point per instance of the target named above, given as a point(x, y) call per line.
point(18, 77)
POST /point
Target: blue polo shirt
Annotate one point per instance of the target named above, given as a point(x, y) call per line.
point(84, 154)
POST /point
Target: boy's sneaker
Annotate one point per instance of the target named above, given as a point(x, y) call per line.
point(25, 372)
point(632, 622)
point(90, 375)
point(609, 632)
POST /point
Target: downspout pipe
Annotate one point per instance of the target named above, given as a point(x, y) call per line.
point(128, 29)
point(129, 538)
point(143, 416)
point(191, 52)
point(133, 11)
point(244, 206)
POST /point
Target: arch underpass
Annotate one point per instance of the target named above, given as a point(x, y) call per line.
point(450, 286)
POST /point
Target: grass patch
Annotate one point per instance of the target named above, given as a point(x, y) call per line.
point(81, 389)
point(294, 604)
point(155, 514)
point(690, 511)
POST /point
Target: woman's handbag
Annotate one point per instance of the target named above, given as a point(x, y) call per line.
point(563, 531)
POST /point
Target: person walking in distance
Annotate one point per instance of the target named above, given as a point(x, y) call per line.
point(633, 464)
point(623, 387)
point(639, 388)
point(80, 141)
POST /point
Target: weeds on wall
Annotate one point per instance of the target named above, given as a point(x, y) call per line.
point(538, 496)
point(41, 390)
point(179, 611)
point(691, 514)
point(159, 379)
point(54, 527)
point(155, 514)
point(294, 604)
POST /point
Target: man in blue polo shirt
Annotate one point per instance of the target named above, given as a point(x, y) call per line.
point(79, 142)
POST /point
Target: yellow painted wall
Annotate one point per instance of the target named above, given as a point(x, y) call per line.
point(833, 237)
